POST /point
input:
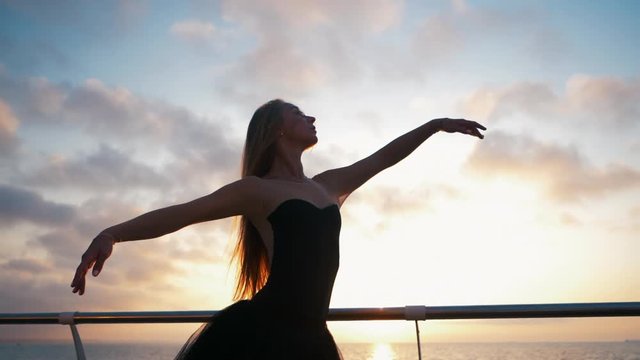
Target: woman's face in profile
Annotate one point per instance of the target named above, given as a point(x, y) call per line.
point(298, 127)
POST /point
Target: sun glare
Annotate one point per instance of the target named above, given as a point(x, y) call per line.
point(382, 351)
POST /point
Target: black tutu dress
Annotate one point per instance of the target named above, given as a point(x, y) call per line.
point(286, 319)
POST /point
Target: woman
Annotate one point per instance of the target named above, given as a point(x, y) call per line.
point(288, 239)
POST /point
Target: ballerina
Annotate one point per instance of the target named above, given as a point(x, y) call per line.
point(288, 240)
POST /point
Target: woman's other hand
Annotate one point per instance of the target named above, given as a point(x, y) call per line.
point(95, 256)
point(462, 126)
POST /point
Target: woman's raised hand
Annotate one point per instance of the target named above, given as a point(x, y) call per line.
point(461, 126)
point(95, 256)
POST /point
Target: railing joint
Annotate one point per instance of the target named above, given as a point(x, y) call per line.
point(68, 318)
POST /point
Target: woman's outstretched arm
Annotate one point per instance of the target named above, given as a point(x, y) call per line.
point(236, 198)
point(341, 182)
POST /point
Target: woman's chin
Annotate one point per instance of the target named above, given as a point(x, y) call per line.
point(312, 142)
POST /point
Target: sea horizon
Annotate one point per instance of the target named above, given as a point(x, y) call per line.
point(151, 342)
point(628, 349)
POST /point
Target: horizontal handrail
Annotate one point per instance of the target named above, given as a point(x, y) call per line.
point(610, 309)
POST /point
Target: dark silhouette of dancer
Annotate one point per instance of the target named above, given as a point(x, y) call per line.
point(288, 239)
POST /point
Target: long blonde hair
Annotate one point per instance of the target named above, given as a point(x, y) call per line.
point(257, 158)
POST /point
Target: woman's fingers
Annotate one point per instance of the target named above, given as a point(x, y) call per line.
point(94, 258)
point(78, 282)
point(471, 128)
point(104, 251)
point(475, 132)
point(97, 267)
point(478, 125)
point(463, 126)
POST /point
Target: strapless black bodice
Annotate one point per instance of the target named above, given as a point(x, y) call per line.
point(286, 318)
point(305, 260)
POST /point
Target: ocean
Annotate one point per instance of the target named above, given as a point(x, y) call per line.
point(363, 351)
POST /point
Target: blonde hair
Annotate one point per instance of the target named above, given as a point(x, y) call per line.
point(257, 158)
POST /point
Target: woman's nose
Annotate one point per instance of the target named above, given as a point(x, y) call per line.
point(311, 119)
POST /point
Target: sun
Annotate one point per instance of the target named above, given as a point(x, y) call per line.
point(382, 351)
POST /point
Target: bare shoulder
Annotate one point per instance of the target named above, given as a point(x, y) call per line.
point(331, 179)
point(251, 189)
point(341, 182)
point(323, 179)
point(236, 198)
point(249, 183)
point(244, 188)
point(329, 182)
point(260, 193)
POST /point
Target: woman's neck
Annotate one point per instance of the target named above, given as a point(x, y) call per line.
point(287, 166)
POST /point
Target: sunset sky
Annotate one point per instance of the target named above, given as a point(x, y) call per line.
point(110, 109)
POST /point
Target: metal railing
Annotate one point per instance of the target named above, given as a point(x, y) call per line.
point(410, 313)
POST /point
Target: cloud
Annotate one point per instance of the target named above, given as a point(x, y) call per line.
point(561, 171)
point(444, 36)
point(305, 46)
point(142, 154)
point(119, 112)
point(193, 30)
point(115, 110)
point(129, 13)
point(281, 65)
point(179, 143)
point(379, 208)
point(569, 219)
point(8, 126)
point(30, 284)
point(102, 110)
point(24, 280)
point(28, 265)
point(360, 16)
point(23, 205)
point(96, 21)
point(34, 100)
point(550, 47)
point(589, 110)
point(391, 200)
point(162, 266)
point(604, 101)
point(65, 242)
point(301, 46)
point(141, 151)
point(634, 217)
point(437, 39)
point(107, 169)
point(596, 114)
point(23, 286)
point(47, 98)
point(535, 99)
point(460, 6)
point(206, 39)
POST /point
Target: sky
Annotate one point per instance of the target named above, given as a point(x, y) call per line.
point(111, 109)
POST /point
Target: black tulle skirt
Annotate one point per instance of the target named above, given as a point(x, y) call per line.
point(246, 330)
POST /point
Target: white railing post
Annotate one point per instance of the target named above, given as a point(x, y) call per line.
point(67, 318)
